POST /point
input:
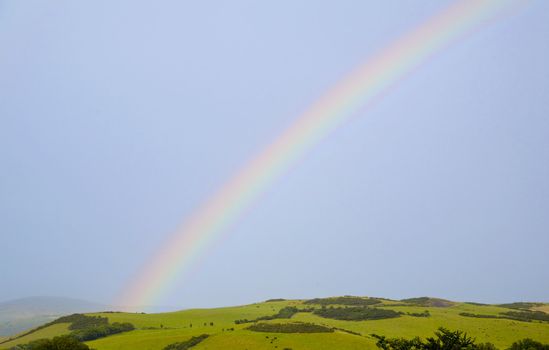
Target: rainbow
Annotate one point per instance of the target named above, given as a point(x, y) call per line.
point(358, 89)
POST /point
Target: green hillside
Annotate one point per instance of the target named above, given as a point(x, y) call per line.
point(336, 323)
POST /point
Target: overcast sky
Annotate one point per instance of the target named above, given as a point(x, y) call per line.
point(117, 118)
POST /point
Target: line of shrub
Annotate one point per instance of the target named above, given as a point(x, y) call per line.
point(284, 313)
point(346, 331)
point(468, 314)
point(187, 344)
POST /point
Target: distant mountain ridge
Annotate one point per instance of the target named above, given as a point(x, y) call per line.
point(21, 314)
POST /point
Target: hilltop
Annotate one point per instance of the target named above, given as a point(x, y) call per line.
point(323, 323)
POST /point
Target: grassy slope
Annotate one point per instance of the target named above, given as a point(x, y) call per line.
point(176, 327)
point(48, 332)
point(498, 331)
point(544, 308)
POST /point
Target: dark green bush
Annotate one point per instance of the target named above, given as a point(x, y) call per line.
point(297, 327)
point(443, 340)
point(419, 314)
point(528, 344)
point(427, 301)
point(524, 316)
point(356, 313)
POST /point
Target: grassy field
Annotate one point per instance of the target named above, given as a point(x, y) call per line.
point(155, 331)
point(48, 332)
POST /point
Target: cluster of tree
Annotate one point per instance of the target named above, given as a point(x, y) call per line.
point(520, 305)
point(64, 342)
point(273, 300)
point(445, 339)
point(425, 313)
point(79, 321)
point(527, 315)
point(356, 313)
point(524, 315)
point(346, 300)
point(101, 331)
point(86, 327)
point(285, 312)
point(297, 327)
point(427, 301)
point(187, 344)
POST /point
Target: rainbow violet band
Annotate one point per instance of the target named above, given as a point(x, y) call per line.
point(362, 86)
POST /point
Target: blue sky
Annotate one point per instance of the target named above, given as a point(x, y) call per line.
point(117, 118)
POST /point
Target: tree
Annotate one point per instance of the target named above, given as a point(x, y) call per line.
point(448, 340)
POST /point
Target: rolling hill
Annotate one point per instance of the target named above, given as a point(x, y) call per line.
point(325, 323)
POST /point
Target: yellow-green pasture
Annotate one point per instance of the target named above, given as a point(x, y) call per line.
point(155, 331)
